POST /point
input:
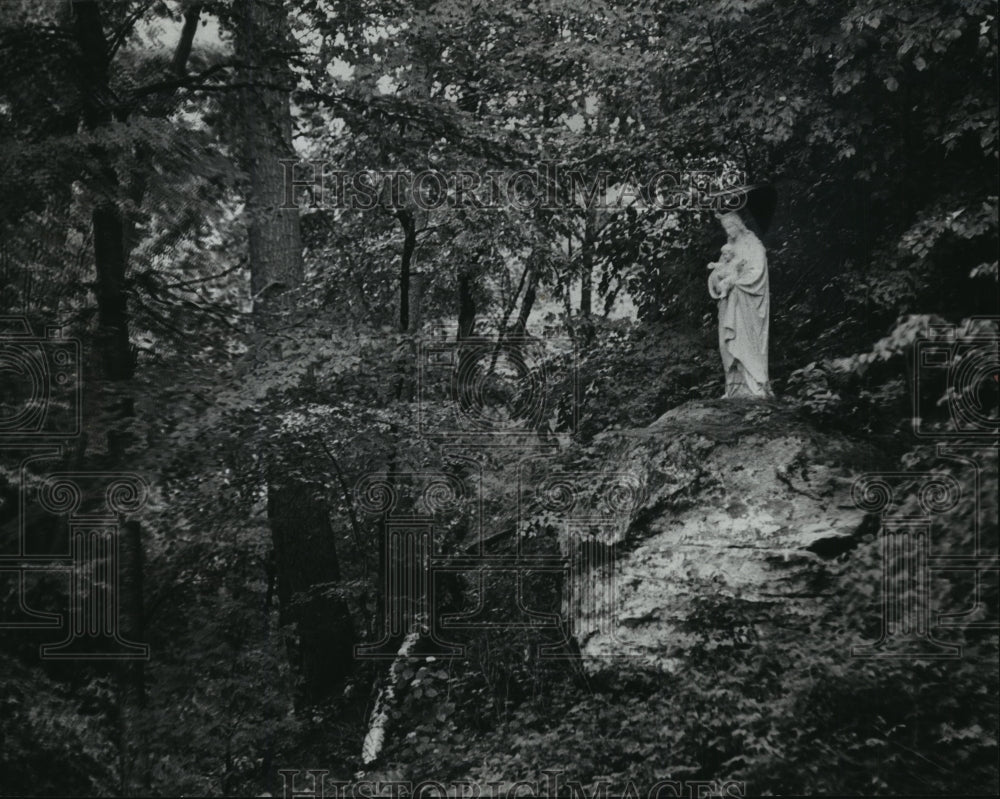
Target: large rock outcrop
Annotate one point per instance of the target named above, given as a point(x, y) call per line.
point(727, 498)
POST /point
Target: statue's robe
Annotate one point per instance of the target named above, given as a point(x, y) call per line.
point(743, 322)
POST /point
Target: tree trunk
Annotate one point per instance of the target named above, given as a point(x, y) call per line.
point(416, 299)
point(116, 358)
point(112, 302)
point(466, 307)
point(304, 547)
point(587, 258)
point(408, 222)
point(274, 235)
point(303, 540)
point(521, 325)
point(136, 768)
point(116, 362)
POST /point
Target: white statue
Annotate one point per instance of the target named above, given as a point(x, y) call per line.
point(738, 280)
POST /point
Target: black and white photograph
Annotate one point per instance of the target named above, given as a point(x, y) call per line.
point(499, 399)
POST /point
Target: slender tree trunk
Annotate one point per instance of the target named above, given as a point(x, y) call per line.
point(409, 225)
point(521, 325)
point(466, 320)
point(508, 310)
point(466, 307)
point(116, 358)
point(416, 299)
point(567, 287)
point(587, 258)
point(134, 745)
point(116, 362)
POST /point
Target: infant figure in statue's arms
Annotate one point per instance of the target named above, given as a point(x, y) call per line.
point(724, 272)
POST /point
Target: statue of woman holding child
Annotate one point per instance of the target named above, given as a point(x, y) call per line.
point(738, 280)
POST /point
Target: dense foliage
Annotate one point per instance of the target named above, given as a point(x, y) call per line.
point(129, 219)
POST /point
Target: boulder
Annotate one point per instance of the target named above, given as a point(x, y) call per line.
point(729, 498)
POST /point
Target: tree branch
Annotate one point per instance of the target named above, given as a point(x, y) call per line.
point(127, 27)
point(183, 81)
